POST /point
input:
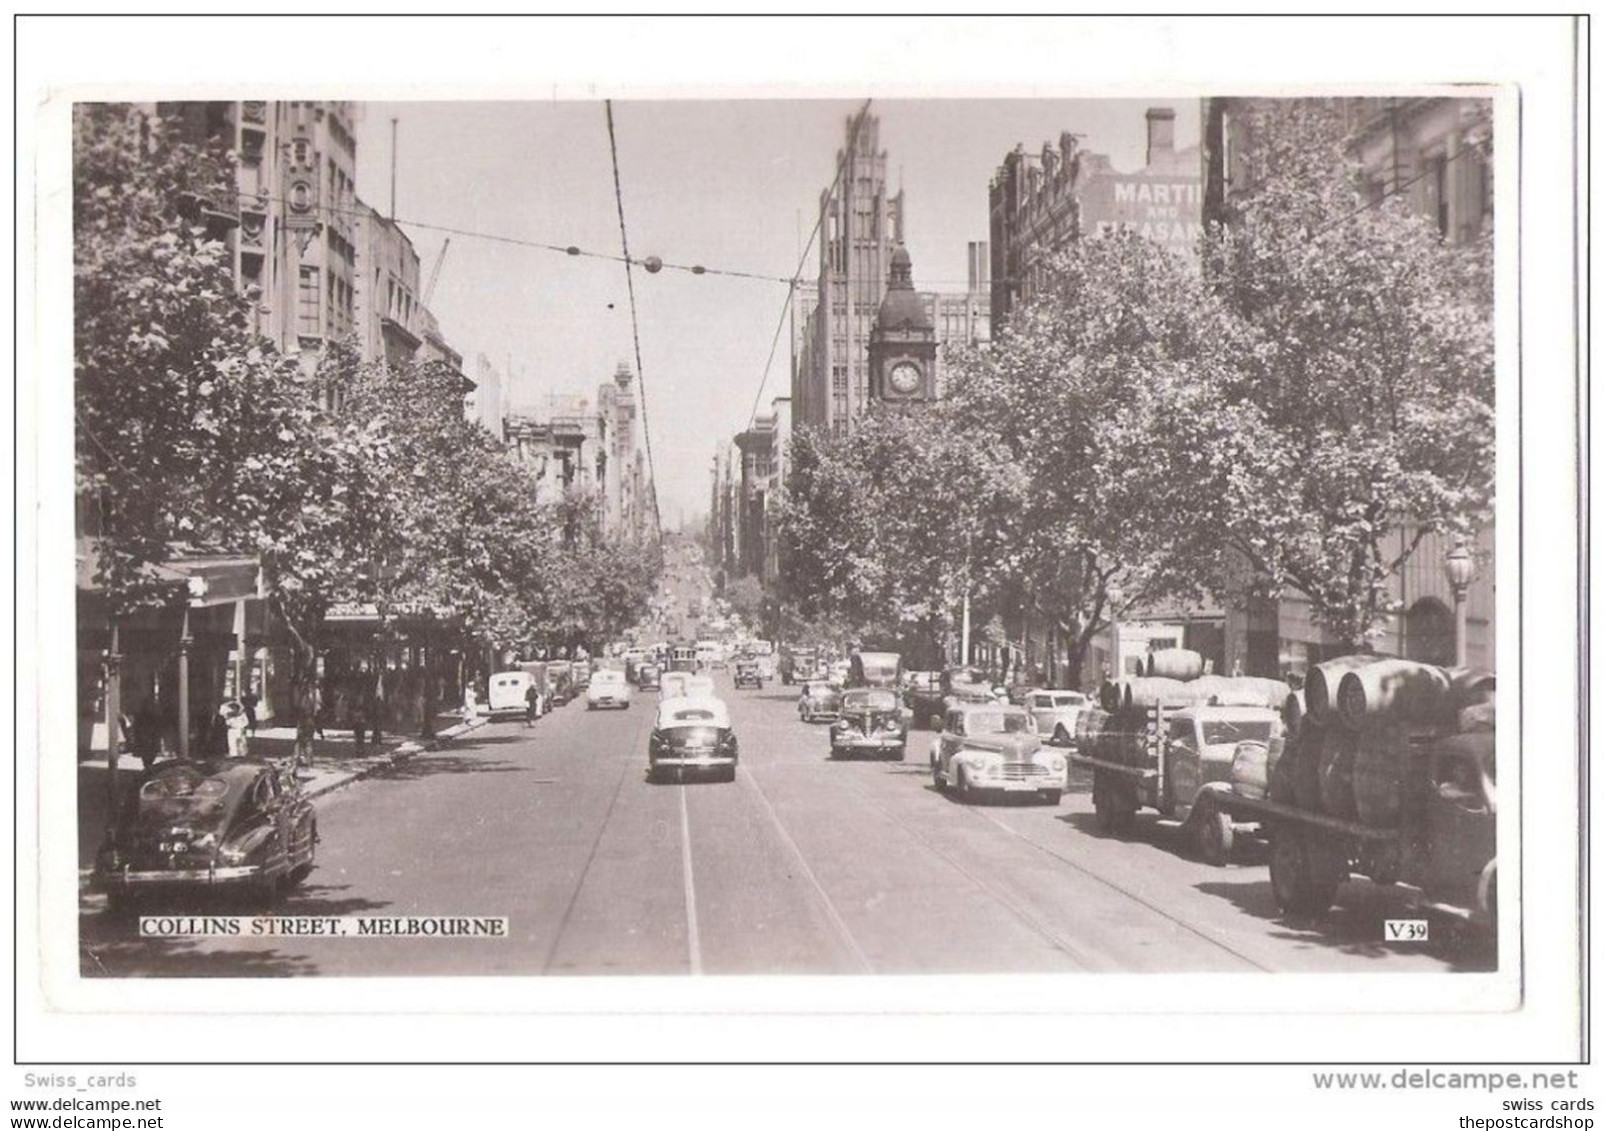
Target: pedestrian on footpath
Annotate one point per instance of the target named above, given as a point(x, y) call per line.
point(233, 717)
point(249, 701)
point(470, 703)
point(531, 705)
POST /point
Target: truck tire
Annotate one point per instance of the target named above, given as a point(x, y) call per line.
point(1213, 835)
point(1116, 808)
point(1305, 870)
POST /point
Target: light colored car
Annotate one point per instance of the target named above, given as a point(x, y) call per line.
point(673, 685)
point(699, 683)
point(608, 688)
point(1055, 713)
point(993, 749)
point(509, 692)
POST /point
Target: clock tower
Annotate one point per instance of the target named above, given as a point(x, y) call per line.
point(902, 345)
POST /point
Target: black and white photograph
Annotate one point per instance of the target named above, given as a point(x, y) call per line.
point(878, 548)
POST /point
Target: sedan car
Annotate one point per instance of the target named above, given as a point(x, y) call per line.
point(870, 723)
point(692, 735)
point(993, 749)
point(608, 688)
point(648, 676)
point(1055, 713)
point(820, 699)
point(232, 824)
point(747, 674)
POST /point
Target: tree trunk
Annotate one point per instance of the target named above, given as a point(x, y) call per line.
point(304, 694)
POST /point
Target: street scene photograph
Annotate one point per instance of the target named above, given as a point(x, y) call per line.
point(787, 536)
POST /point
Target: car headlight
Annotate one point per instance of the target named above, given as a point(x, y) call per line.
point(1058, 765)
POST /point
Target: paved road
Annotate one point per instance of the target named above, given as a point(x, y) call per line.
point(802, 865)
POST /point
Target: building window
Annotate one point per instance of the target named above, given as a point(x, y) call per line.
point(1437, 192)
point(307, 312)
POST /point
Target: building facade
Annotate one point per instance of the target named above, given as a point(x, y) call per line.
point(1039, 202)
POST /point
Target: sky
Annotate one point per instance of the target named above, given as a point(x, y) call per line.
point(729, 184)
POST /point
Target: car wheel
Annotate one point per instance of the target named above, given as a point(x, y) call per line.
point(300, 872)
point(966, 792)
point(900, 754)
point(1060, 736)
point(1212, 832)
point(1116, 808)
point(1052, 796)
point(1304, 871)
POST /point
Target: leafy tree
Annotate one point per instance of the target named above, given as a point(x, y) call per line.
point(1363, 396)
point(1081, 391)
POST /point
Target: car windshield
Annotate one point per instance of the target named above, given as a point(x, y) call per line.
point(1073, 699)
point(818, 689)
point(967, 678)
point(186, 793)
point(999, 722)
point(869, 701)
point(608, 677)
point(1219, 732)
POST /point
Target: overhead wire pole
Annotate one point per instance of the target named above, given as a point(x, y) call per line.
point(802, 259)
point(634, 319)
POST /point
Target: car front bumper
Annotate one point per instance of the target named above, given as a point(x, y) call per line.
point(872, 742)
point(125, 878)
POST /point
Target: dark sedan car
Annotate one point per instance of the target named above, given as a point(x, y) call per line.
point(747, 674)
point(648, 677)
point(870, 723)
point(692, 734)
point(232, 824)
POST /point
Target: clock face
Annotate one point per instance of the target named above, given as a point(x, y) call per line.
point(905, 378)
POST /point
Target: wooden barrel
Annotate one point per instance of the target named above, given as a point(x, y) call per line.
point(1472, 685)
point(1139, 694)
point(1282, 786)
point(1088, 725)
point(1174, 663)
point(1380, 766)
point(1111, 695)
point(1320, 688)
point(1403, 691)
point(1250, 768)
point(1292, 713)
point(1337, 752)
point(1239, 691)
point(1305, 758)
point(1478, 718)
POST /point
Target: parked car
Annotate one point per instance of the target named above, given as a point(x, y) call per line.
point(747, 674)
point(819, 700)
point(582, 671)
point(232, 824)
point(1055, 713)
point(1017, 691)
point(993, 749)
point(560, 681)
point(870, 723)
point(874, 669)
point(648, 676)
point(692, 734)
point(608, 688)
point(509, 693)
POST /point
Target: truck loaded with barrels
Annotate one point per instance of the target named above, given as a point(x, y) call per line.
point(1379, 767)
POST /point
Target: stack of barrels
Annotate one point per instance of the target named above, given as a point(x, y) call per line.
point(1175, 678)
point(1351, 731)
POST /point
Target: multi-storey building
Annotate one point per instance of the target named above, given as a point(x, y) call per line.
point(1436, 153)
point(1042, 201)
point(620, 468)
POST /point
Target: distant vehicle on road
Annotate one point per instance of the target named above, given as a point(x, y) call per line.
point(509, 693)
point(560, 681)
point(819, 700)
point(993, 749)
point(796, 664)
point(582, 670)
point(699, 683)
point(921, 695)
point(748, 675)
point(692, 735)
point(874, 669)
point(870, 723)
point(1056, 713)
point(673, 685)
point(235, 824)
point(682, 658)
point(608, 688)
point(648, 676)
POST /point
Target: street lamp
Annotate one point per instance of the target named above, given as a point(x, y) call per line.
point(1460, 569)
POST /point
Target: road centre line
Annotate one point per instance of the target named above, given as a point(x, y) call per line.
point(693, 938)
